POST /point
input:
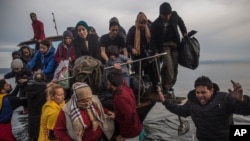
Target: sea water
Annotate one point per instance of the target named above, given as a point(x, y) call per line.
point(160, 124)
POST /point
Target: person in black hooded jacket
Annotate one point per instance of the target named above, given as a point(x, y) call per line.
point(211, 110)
point(36, 97)
point(166, 38)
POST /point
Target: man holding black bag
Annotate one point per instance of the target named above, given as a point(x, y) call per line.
point(166, 38)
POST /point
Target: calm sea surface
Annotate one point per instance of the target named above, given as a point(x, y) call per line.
point(160, 124)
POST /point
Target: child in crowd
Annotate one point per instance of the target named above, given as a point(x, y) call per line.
point(115, 59)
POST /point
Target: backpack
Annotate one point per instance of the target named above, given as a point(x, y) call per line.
point(90, 70)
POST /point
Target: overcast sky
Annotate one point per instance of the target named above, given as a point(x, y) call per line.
point(223, 25)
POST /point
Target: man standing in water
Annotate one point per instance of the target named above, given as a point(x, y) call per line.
point(210, 109)
point(166, 38)
point(38, 29)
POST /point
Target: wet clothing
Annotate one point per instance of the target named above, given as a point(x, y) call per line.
point(50, 111)
point(166, 38)
point(36, 98)
point(48, 62)
point(8, 103)
point(211, 120)
point(125, 111)
point(92, 49)
point(38, 30)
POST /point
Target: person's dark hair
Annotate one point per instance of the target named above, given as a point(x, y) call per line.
point(115, 77)
point(46, 42)
point(113, 23)
point(39, 77)
point(113, 50)
point(32, 14)
point(2, 82)
point(203, 81)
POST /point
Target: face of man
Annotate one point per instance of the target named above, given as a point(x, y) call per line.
point(7, 88)
point(33, 17)
point(82, 31)
point(166, 17)
point(203, 94)
point(114, 31)
point(43, 49)
point(17, 70)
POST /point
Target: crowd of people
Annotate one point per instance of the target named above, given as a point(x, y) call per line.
point(55, 113)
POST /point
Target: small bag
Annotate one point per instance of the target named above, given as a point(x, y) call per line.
point(61, 74)
point(189, 52)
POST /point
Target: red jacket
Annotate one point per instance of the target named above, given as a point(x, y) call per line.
point(63, 53)
point(125, 112)
point(38, 30)
point(60, 128)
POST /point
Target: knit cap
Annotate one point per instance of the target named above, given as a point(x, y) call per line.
point(67, 33)
point(83, 23)
point(16, 64)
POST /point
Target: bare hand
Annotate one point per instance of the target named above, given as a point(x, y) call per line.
point(117, 66)
point(129, 61)
point(160, 94)
point(120, 138)
point(111, 115)
point(134, 52)
point(237, 91)
point(22, 80)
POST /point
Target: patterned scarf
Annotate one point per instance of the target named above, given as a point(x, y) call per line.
point(77, 120)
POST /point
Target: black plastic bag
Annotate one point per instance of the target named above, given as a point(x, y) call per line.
point(189, 51)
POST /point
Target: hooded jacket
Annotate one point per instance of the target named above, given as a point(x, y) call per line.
point(157, 31)
point(48, 61)
point(211, 120)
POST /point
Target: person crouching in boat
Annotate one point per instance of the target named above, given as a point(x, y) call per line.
point(8, 103)
point(82, 117)
point(50, 111)
point(130, 126)
point(210, 109)
point(46, 55)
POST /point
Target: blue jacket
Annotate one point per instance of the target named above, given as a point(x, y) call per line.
point(48, 62)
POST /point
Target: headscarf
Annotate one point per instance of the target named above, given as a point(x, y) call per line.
point(76, 106)
point(141, 20)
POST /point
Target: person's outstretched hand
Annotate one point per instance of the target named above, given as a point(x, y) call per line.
point(237, 91)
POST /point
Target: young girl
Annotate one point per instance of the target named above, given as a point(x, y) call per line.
point(50, 111)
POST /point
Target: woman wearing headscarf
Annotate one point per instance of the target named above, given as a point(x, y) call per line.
point(138, 41)
point(85, 43)
point(82, 117)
